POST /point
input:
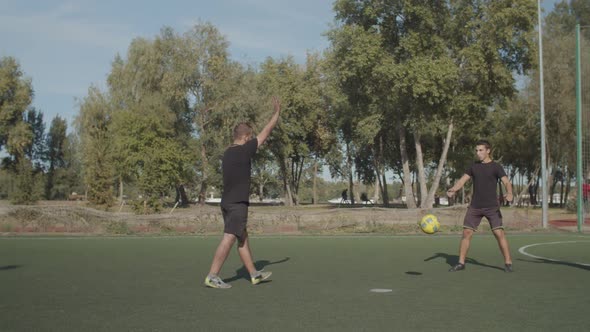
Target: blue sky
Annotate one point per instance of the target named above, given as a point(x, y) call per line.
point(65, 46)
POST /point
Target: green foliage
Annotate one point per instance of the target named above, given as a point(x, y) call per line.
point(147, 206)
point(16, 94)
point(55, 186)
point(96, 137)
point(424, 66)
point(305, 130)
point(118, 227)
point(520, 117)
point(176, 98)
point(27, 189)
point(36, 150)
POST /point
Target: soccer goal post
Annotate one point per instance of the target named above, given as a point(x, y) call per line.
point(583, 124)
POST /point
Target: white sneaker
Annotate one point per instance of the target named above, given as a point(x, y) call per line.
point(260, 276)
point(216, 282)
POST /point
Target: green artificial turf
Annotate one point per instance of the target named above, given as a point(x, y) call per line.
point(318, 283)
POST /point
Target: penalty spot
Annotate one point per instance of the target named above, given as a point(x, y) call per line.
point(381, 290)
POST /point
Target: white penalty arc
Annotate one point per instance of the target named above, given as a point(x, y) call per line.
point(522, 250)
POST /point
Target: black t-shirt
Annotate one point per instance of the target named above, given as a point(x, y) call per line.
point(485, 177)
point(236, 166)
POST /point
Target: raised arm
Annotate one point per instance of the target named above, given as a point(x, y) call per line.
point(263, 135)
point(458, 185)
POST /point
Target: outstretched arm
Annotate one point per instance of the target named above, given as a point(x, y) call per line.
point(508, 186)
point(263, 135)
point(458, 185)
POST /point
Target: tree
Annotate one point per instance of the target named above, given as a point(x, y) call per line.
point(431, 68)
point(55, 158)
point(35, 152)
point(177, 98)
point(19, 131)
point(303, 134)
point(94, 124)
point(16, 94)
point(559, 85)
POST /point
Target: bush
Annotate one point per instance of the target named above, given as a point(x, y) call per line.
point(118, 227)
point(149, 206)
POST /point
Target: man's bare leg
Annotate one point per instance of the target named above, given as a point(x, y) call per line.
point(463, 248)
point(503, 244)
point(465, 243)
point(246, 254)
point(221, 253)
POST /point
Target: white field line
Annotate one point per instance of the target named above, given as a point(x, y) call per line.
point(522, 250)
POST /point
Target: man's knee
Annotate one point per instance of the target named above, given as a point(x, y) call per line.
point(467, 233)
point(499, 233)
point(229, 238)
point(242, 239)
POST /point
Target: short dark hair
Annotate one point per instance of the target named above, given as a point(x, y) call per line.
point(242, 129)
point(485, 143)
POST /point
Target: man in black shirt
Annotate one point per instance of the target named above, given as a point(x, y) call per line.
point(485, 174)
point(236, 167)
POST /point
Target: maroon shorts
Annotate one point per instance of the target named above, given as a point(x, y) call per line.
point(474, 216)
point(235, 218)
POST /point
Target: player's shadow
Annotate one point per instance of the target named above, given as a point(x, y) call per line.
point(546, 261)
point(242, 273)
point(9, 267)
point(454, 259)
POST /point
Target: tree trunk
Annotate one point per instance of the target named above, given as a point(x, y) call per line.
point(350, 175)
point(410, 202)
point(421, 172)
point(121, 188)
point(567, 187)
point(441, 163)
point(314, 199)
point(203, 191)
point(378, 186)
point(357, 193)
point(297, 180)
point(561, 192)
point(525, 189)
point(381, 181)
point(286, 185)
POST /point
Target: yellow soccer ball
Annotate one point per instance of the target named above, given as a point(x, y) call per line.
point(429, 224)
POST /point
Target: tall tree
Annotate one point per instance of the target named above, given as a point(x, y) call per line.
point(303, 134)
point(35, 152)
point(16, 94)
point(559, 84)
point(55, 158)
point(177, 98)
point(16, 131)
point(94, 124)
point(434, 67)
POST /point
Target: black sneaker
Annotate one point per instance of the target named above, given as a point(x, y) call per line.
point(508, 268)
point(458, 267)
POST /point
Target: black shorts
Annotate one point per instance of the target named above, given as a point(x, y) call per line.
point(235, 218)
point(474, 216)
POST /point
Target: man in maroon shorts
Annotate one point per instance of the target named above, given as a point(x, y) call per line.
point(235, 199)
point(485, 174)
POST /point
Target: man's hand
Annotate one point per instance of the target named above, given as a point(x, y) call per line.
point(509, 197)
point(276, 103)
point(451, 193)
